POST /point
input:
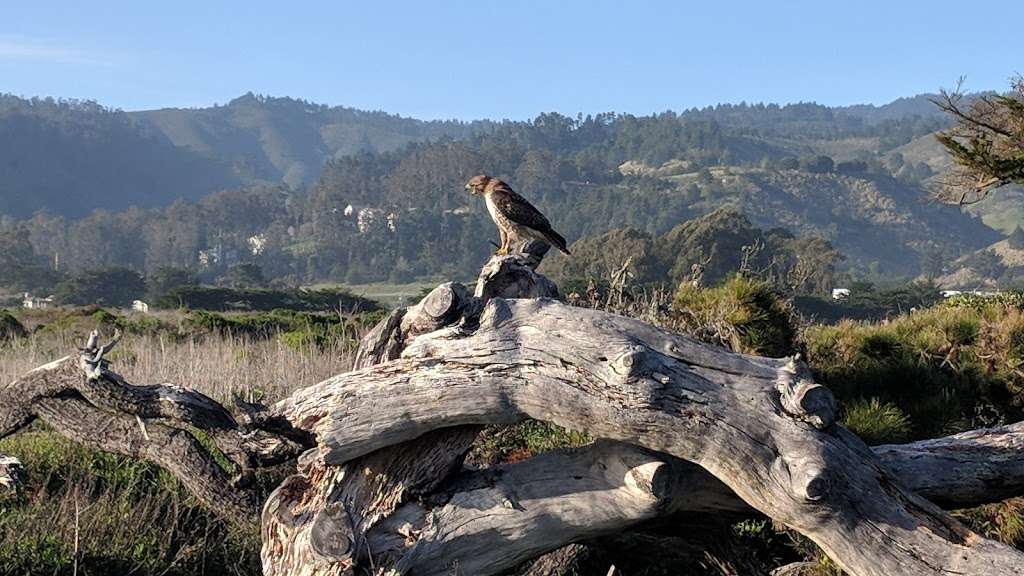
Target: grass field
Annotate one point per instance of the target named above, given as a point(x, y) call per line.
point(84, 512)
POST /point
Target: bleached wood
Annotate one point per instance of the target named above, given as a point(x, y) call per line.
point(620, 379)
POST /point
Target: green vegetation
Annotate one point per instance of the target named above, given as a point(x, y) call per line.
point(987, 142)
point(124, 516)
point(129, 517)
point(506, 444)
point(104, 287)
point(745, 315)
point(876, 422)
point(259, 299)
point(719, 243)
point(867, 302)
point(948, 368)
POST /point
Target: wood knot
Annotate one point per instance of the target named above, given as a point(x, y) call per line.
point(331, 534)
point(629, 360)
point(812, 483)
point(804, 399)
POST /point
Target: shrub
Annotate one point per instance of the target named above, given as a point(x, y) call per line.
point(1003, 521)
point(297, 330)
point(499, 444)
point(255, 299)
point(948, 368)
point(10, 327)
point(743, 314)
point(876, 422)
point(110, 287)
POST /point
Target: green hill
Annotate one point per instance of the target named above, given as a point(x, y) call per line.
point(70, 157)
point(288, 140)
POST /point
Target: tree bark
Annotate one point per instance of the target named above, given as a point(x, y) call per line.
point(759, 425)
point(684, 428)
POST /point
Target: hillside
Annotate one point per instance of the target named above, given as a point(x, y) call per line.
point(719, 243)
point(999, 265)
point(70, 157)
point(288, 140)
point(875, 220)
point(879, 223)
point(388, 203)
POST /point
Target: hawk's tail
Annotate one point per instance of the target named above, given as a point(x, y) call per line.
point(556, 240)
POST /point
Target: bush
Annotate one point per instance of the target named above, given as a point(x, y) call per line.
point(255, 299)
point(502, 444)
point(745, 315)
point(10, 328)
point(876, 422)
point(108, 287)
point(948, 368)
point(297, 330)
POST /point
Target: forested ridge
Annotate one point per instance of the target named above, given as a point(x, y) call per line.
point(246, 187)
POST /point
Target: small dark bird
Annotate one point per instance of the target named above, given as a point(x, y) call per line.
point(517, 220)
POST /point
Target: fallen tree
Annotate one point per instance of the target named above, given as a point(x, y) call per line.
point(683, 428)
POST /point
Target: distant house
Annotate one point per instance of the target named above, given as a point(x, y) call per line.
point(218, 255)
point(840, 293)
point(257, 244)
point(30, 301)
point(140, 306)
point(368, 218)
point(979, 293)
point(460, 211)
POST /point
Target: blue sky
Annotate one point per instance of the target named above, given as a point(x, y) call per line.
point(464, 59)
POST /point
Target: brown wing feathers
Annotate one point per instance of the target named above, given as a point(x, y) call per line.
point(520, 211)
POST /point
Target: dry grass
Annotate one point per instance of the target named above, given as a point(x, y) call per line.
point(216, 365)
point(90, 513)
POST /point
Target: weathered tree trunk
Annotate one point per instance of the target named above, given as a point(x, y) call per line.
point(684, 428)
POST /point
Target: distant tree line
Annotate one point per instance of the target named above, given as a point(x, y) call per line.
point(402, 215)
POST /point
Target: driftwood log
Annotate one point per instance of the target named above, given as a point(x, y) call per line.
point(682, 427)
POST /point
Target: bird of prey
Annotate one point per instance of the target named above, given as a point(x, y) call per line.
point(517, 220)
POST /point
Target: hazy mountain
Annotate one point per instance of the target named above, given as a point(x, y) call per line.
point(71, 157)
point(288, 140)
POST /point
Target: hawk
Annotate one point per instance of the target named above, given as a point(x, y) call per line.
point(517, 220)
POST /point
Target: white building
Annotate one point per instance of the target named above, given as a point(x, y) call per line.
point(840, 293)
point(140, 306)
point(257, 244)
point(30, 301)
